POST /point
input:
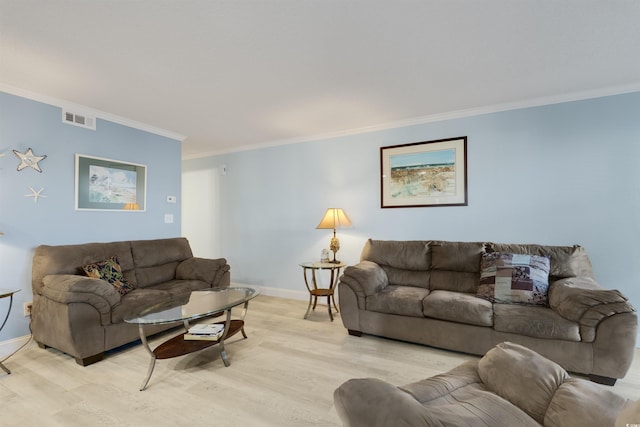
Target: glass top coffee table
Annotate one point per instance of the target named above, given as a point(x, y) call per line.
point(187, 308)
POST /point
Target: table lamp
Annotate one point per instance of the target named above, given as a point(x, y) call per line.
point(334, 218)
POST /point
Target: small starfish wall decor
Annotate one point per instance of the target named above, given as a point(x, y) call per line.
point(35, 194)
point(28, 159)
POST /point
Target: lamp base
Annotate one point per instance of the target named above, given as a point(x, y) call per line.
point(333, 261)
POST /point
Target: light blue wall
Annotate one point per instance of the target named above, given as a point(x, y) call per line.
point(561, 174)
point(53, 220)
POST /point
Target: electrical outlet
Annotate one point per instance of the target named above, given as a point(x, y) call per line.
point(26, 308)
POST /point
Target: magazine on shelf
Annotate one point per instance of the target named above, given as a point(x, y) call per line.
point(206, 329)
point(205, 332)
point(203, 337)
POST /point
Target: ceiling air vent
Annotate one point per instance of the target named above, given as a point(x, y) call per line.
point(78, 120)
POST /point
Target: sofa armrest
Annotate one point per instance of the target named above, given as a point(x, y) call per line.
point(583, 300)
point(370, 402)
point(71, 288)
point(212, 271)
point(365, 278)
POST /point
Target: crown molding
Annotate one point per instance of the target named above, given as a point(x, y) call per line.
point(458, 114)
point(64, 104)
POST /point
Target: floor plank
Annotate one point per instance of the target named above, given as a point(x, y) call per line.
point(284, 374)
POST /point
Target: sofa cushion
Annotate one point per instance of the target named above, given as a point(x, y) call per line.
point(156, 261)
point(136, 300)
point(110, 271)
point(178, 287)
point(455, 266)
point(514, 278)
point(598, 405)
point(151, 276)
point(456, 256)
point(204, 269)
point(458, 307)
point(473, 405)
point(398, 276)
point(406, 255)
point(403, 300)
point(69, 259)
point(455, 398)
point(405, 262)
point(429, 389)
point(566, 261)
point(538, 378)
point(458, 398)
point(532, 321)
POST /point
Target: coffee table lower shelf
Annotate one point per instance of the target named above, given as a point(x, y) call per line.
point(178, 346)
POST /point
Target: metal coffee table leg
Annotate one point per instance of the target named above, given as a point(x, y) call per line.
point(152, 362)
point(223, 352)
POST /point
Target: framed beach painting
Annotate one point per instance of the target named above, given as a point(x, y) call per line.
point(106, 184)
point(430, 173)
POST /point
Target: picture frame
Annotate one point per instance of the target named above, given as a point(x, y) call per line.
point(424, 174)
point(109, 185)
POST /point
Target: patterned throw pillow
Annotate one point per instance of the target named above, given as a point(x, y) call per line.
point(514, 279)
point(110, 271)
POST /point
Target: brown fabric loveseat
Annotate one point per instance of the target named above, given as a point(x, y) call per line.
point(510, 386)
point(426, 292)
point(83, 316)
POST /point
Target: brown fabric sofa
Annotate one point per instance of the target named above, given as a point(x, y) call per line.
point(425, 292)
point(510, 386)
point(83, 316)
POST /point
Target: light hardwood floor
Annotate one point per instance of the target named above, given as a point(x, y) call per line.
point(284, 374)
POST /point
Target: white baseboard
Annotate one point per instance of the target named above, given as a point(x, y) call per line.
point(302, 295)
point(9, 346)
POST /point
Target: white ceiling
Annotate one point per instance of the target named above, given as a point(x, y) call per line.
point(236, 74)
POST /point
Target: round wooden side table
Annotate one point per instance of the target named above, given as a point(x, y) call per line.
point(314, 291)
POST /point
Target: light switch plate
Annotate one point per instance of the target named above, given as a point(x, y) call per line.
point(171, 199)
point(168, 218)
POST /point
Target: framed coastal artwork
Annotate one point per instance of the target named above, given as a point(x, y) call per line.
point(424, 174)
point(107, 184)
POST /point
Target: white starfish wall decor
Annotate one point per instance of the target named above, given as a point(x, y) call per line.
point(28, 159)
point(35, 194)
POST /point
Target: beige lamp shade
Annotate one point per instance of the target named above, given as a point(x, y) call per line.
point(334, 218)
